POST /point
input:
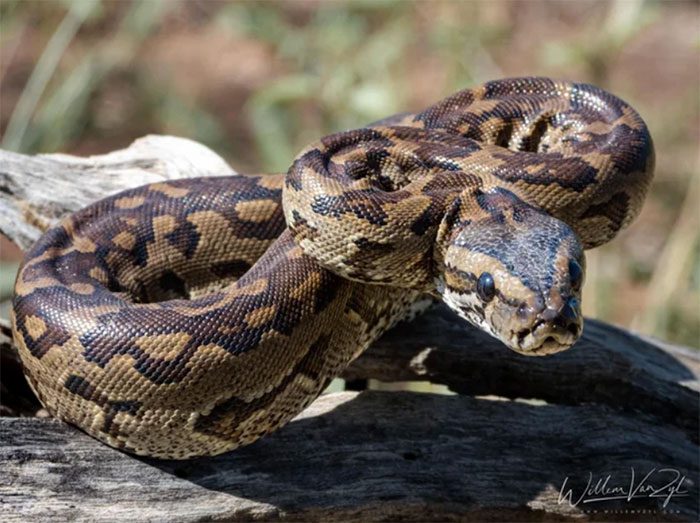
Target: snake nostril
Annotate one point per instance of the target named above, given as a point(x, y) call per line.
point(561, 317)
point(569, 311)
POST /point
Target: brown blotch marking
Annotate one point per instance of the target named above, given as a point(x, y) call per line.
point(630, 118)
point(300, 292)
point(598, 127)
point(125, 240)
point(210, 223)
point(82, 244)
point(163, 225)
point(301, 227)
point(535, 168)
point(480, 107)
point(169, 190)
point(256, 211)
point(99, 310)
point(98, 274)
point(230, 331)
point(83, 388)
point(271, 181)
point(35, 327)
point(129, 202)
point(261, 316)
point(82, 288)
point(597, 160)
point(163, 346)
point(294, 253)
point(255, 287)
point(69, 226)
point(25, 287)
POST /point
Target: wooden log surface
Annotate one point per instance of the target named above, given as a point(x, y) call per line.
point(608, 366)
point(616, 410)
point(372, 456)
point(35, 191)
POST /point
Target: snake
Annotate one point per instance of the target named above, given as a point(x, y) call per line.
point(191, 317)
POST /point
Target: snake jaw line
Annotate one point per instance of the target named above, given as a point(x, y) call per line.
point(543, 339)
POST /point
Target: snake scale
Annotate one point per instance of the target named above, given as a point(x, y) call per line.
point(190, 317)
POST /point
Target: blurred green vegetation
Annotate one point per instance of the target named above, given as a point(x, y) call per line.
point(256, 81)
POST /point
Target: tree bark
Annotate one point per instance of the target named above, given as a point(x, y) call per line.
point(519, 441)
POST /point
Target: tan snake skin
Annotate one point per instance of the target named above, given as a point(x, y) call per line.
point(191, 317)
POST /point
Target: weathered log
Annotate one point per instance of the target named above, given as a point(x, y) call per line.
point(613, 405)
point(35, 191)
point(607, 366)
point(375, 456)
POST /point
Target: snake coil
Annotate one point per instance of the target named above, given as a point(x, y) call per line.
point(190, 317)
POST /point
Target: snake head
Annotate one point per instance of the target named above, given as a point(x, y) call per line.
point(513, 271)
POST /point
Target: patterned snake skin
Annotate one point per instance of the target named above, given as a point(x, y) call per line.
point(191, 317)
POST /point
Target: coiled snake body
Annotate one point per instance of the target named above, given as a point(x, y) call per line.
point(191, 317)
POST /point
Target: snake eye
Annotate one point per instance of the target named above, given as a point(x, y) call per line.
point(575, 275)
point(485, 287)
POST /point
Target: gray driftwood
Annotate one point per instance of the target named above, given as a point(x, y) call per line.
point(617, 410)
point(37, 190)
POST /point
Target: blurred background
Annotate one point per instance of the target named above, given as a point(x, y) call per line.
point(256, 81)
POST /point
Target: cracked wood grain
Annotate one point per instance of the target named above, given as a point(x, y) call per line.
point(372, 456)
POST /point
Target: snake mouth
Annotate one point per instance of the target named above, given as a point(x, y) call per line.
point(545, 338)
